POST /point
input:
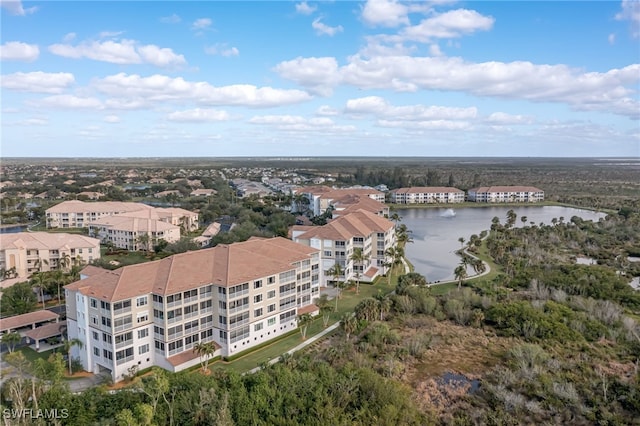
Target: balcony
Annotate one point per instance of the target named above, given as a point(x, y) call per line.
point(239, 309)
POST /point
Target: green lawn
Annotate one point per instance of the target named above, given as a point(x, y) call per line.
point(32, 355)
point(346, 303)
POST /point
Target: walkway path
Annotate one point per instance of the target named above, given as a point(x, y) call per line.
point(487, 269)
point(302, 345)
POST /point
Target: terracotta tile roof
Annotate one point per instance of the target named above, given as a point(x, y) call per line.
point(76, 206)
point(24, 320)
point(356, 224)
point(371, 272)
point(506, 189)
point(426, 190)
point(46, 241)
point(223, 265)
point(134, 224)
point(46, 331)
point(188, 355)
point(308, 309)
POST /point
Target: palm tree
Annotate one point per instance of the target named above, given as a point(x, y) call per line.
point(461, 240)
point(349, 324)
point(324, 305)
point(204, 350)
point(367, 309)
point(11, 340)
point(39, 280)
point(65, 261)
point(460, 273)
point(68, 344)
point(384, 304)
point(359, 258)
point(303, 324)
point(336, 272)
point(395, 254)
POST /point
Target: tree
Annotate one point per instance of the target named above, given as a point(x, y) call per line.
point(68, 344)
point(39, 280)
point(204, 350)
point(11, 340)
point(143, 241)
point(461, 240)
point(65, 261)
point(396, 254)
point(324, 305)
point(384, 304)
point(303, 324)
point(155, 386)
point(461, 274)
point(349, 324)
point(359, 258)
point(336, 272)
point(18, 299)
point(367, 309)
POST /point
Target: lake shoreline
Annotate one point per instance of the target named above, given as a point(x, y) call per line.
point(469, 204)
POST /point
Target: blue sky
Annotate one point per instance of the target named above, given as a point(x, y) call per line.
point(267, 78)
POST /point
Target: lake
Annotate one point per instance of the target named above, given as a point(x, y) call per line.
point(12, 229)
point(435, 231)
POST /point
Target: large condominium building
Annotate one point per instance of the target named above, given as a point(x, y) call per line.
point(30, 252)
point(320, 198)
point(505, 194)
point(338, 239)
point(133, 233)
point(237, 296)
point(426, 195)
point(78, 214)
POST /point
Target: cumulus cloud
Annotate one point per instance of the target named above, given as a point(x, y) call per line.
point(426, 124)
point(299, 123)
point(326, 110)
point(222, 49)
point(38, 82)
point(318, 74)
point(630, 12)
point(173, 19)
point(201, 24)
point(111, 119)
point(502, 118)
point(199, 115)
point(451, 24)
point(323, 29)
point(386, 13)
point(160, 88)
point(69, 37)
point(379, 107)
point(305, 8)
point(14, 7)
point(613, 91)
point(18, 51)
point(120, 52)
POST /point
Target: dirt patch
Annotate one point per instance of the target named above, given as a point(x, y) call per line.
point(79, 374)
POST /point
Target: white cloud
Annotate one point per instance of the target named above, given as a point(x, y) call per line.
point(160, 88)
point(199, 115)
point(15, 7)
point(323, 29)
point(201, 24)
point(111, 119)
point(305, 9)
point(70, 102)
point(37, 82)
point(451, 24)
point(630, 12)
point(160, 57)
point(380, 108)
point(18, 51)
point(502, 118)
point(386, 13)
point(173, 19)
point(614, 91)
point(110, 34)
point(318, 74)
point(120, 52)
point(222, 49)
point(69, 37)
point(298, 123)
point(434, 50)
point(326, 110)
point(611, 38)
point(425, 125)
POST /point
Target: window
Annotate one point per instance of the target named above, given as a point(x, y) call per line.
point(222, 319)
point(157, 299)
point(94, 303)
point(96, 336)
point(257, 298)
point(96, 352)
point(271, 280)
point(143, 349)
point(143, 333)
point(158, 330)
point(94, 319)
point(105, 305)
point(106, 321)
point(271, 308)
point(206, 291)
point(271, 294)
point(159, 346)
point(257, 312)
point(143, 317)
point(287, 316)
point(158, 314)
point(257, 284)
point(107, 354)
point(271, 321)
point(141, 301)
point(258, 326)
point(106, 337)
point(328, 253)
point(191, 339)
